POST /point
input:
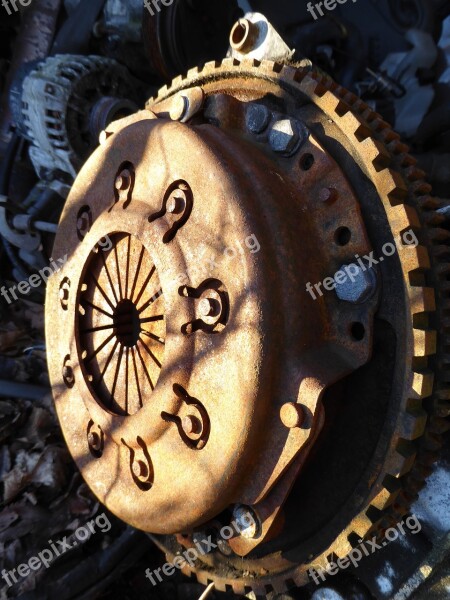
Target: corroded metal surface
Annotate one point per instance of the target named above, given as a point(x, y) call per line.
point(192, 372)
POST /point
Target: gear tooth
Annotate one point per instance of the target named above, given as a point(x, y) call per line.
point(238, 587)
point(398, 148)
point(423, 382)
point(177, 81)
point(341, 546)
point(424, 342)
point(422, 188)
point(362, 525)
point(443, 409)
point(414, 174)
point(300, 75)
point(403, 217)
point(390, 184)
point(432, 442)
point(382, 500)
point(401, 461)
point(354, 124)
point(376, 152)
point(439, 425)
point(416, 259)
point(413, 424)
point(301, 579)
point(288, 72)
point(386, 133)
point(438, 235)
point(423, 300)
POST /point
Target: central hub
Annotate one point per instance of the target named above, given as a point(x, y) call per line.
point(121, 324)
point(127, 323)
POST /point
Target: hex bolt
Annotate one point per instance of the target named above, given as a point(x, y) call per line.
point(257, 118)
point(359, 285)
point(247, 522)
point(285, 137)
point(140, 469)
point(123, 181)
point(292, 415)
point(209, 307)
point(192, 425)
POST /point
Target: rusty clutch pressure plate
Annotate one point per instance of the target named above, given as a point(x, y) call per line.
point(193, 373)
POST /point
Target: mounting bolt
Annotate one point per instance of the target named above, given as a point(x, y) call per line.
point(191, 425)
point(123, 181)
point(257, 118)
point(140, 470)
point(247, 522)
point(94, 440)
point(328, 195)
point(176, 205)
point(359, 284)
point(209, 307)
point(285, 137)
point(292, 415)
point(179, 108)
point(224, 547)
point(64, 293)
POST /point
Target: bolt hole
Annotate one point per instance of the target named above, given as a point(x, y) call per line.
point(307, 161)
point(358, 331)
point(342, 236)
point(239, 34)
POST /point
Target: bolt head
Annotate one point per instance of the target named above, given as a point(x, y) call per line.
point(292, 415)
point(191, 425)
point(257, 118)
point(83, 223)
point(358, 287)
point(123, 181)
point(224, 547)
point(179, 108)
point(64, 293)
point(328, 195)
point(176, 205)
point(140, 469)
point(94, 440)
point(209, 307)
point(285, 137)
point(246, 521)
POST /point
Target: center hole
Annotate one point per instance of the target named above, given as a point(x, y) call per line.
point(127, 324)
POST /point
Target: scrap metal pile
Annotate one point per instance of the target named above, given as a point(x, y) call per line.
point(246, 310)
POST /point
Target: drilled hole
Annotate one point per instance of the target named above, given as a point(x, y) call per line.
point(239, 34)
point(342, 236)
point(358, 331)
point(307, 161)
